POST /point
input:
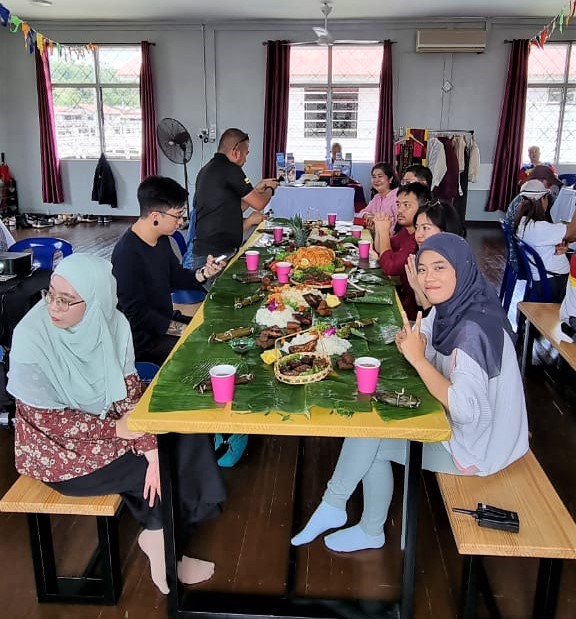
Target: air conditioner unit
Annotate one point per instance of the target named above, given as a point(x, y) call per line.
point(451, 41)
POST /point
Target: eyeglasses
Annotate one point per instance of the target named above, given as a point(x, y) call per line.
point(61, 302)
point(176, 217)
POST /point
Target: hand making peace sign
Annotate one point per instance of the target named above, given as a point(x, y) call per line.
point(410, 342)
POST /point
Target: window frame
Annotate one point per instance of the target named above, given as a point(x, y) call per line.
point(564, 86)
point(98, 86)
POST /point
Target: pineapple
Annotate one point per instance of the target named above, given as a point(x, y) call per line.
point(298, 232)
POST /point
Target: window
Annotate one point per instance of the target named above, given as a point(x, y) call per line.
point(338, 104)
point(96, 101)
point(551, 103)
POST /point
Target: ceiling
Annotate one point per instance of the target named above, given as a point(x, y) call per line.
point(224, 10)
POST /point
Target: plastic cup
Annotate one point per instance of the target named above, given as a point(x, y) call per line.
point(252, 257)
point(356, 231)
point(339, 284)
point(278, 233)
point(364, 250)
point(222, 378)
point(332, 219)
point(367, 370)
point(283, 272)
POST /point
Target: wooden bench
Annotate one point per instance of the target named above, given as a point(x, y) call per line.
point(39, 501)
point(544, 318)
point(547, 531)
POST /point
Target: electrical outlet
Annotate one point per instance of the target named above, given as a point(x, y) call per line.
point(203, 134)
point(212, 132)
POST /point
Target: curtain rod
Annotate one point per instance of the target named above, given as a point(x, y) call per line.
point(336, 45)
point(547, 41)
point(109, 44)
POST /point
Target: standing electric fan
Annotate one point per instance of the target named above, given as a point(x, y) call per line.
point(176, 144)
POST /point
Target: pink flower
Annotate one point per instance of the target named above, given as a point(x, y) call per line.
point(272, 306)
point(330, 331)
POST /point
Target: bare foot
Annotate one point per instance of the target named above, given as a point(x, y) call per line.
point(192, 571)
point(152, 543)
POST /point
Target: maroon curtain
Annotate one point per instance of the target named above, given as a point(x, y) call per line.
point(276, 104)
point(508, 158)
point(149, 157)
point(52, 192)
point(385, 128)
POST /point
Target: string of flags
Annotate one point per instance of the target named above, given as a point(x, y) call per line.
point(36, 40)
point(561, 21)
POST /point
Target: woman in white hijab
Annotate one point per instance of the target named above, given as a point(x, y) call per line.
point(73, 377)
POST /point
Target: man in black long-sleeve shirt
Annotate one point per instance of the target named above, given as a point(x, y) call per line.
point(146, 269)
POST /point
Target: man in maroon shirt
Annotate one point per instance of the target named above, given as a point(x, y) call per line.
point(394, 250)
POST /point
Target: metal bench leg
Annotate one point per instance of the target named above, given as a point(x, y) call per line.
point(103, 589)
point(42, 556)
point(469, 588)
point(110, 558)
point(547, 587)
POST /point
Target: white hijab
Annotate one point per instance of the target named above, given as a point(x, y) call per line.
point(82, 367)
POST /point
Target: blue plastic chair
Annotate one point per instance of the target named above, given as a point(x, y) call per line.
point(513, 270)
point(186, 296)
point(538, 291)
point(43, 250)
point(567, 179)
point(146, 371)
point(180, 241)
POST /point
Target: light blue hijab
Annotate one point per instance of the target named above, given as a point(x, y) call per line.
point(82, 367)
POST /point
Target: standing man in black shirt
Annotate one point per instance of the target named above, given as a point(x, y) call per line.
point(146, 269)
point(223, 192)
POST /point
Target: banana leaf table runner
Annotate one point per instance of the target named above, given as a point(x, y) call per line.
point(190, 363)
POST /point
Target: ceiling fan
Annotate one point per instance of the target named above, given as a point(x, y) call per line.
point(323, 36)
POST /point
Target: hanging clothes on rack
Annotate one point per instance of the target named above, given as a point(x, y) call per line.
point(411, 149)
point(474, 170)
point(449, 189)
point(436, 161)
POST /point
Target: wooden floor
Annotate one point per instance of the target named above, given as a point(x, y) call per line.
point(250, 541)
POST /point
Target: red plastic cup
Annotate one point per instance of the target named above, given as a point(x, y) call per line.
point(278, 233)
point(356, 231)
point(339, 284)
point(364, 250)
point(332, 219)
point(252, 257)
point(223, 378)
point(367, 370)
point(283, 272)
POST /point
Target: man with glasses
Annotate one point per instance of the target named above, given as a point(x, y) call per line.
point(417, 174)
point(146, 269)
point(223, 193)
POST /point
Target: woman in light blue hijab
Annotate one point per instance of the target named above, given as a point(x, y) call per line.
point(73, 377)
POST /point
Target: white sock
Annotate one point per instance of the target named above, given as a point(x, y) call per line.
point(152, 543)
point(324, 518)
point(352, 539)
point(192, 571)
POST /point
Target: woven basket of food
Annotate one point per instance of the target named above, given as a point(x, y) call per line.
point(304, 363)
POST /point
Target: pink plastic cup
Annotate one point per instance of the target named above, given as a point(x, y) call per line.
point(332, 219)
point(252, 258)
point(278, 233)
point(367, 370)
point(339, 284)
point(283, 272)
point(222, 378)
point(364, 250)
point(356, 231)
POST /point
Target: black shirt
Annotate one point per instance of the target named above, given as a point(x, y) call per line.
point(220, 187)
point(145, 275)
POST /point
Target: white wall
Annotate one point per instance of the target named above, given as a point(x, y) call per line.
point(232, 94)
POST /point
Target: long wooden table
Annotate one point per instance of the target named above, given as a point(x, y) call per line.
point(427, 428)
point(544, 318)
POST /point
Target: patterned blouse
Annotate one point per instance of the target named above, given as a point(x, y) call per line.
point(60, 444)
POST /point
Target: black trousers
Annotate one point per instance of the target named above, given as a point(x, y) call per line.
point(158, 350)
point(199, 484)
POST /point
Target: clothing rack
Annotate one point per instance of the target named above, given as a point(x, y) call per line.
point(452, 131)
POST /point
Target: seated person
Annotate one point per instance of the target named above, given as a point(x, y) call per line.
point(527, 168)
point(464, 353)
point(146, 269)
point(335, 150)
point(73, 376)
point(394, 250)
point(548, 239)
point(568, 307)
point(551, 181)
point(6, 238)
point(385, 184)
point(223, 193)
point(432, 218)
point(417, 173)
